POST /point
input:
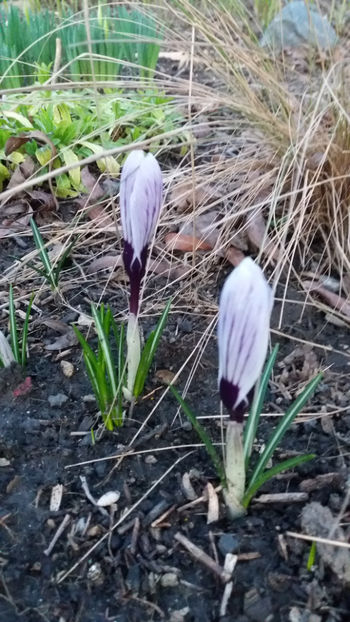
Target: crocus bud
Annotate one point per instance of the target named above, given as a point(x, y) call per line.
point(243, 333)
point(140, 202)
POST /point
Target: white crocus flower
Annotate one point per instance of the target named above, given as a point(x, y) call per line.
point(243, 333)
point(141, 189)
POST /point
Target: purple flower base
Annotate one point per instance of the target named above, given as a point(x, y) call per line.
point(229, 393)
point(135, 271)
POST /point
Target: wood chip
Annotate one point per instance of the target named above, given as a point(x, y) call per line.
point(187, 487)
point(56, 497)
point(213, 505)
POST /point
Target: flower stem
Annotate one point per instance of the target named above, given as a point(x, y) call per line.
point(235, 470)
point(133, 356)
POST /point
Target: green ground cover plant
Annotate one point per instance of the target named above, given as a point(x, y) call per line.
point(54, 128)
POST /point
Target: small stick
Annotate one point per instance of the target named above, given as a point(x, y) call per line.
point(199, 555)
point(247, 557)
point(229, 566)
point(213, 546)
point(303, 536)
point(135, 535)
point(198, 500)
point(160, 519)
point(58, 533)
point(284, 497)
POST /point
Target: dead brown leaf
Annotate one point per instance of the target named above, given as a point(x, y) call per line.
point(92, 185)
point(337, 302)
point(14, 143)
point(257, 235)
point(67, 340)
point(185, 243)
point(183, 195)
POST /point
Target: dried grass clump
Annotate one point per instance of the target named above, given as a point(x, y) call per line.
point(296, 153)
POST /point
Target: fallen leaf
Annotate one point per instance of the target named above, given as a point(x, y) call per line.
point(64, 341)
point(234, 256)
point(257, 235)
point(184, 194)
point(44, 199)
point(105, 262)
point(14, 143)
point(337, 302)
point(92, 185)
point(165, 376)
point(318, 520)
point(185, 243)
point(23, 388)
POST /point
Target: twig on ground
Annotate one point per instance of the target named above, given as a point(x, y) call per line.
point(282, 497)
point(58, 534)
point(205, 559)
point(229, 566)
point(303, 536)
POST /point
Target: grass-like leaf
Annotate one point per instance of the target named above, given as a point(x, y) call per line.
point(312, 556)
point(282, 428)
point(103, 340)
point(25, 332)
point(149, 351)
point(13, 327)
point(213, 454)
point(47, 271)
point(106, 376)
point(257, 406)
point(270, 473)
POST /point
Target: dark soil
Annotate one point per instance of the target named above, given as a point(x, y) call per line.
point(140, 571)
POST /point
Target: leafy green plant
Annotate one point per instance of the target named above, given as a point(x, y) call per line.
point(257, 473)
point(18, 341)
point(58, 128)
point(106, 367)
point(50, 272)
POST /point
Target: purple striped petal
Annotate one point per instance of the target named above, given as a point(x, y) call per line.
point(243, 332)
point(141, 188)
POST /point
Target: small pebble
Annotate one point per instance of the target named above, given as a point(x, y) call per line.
point(67, 368)
point(187, 426)
point(89, 398)
point(108, 498)
point(58, 400)
point(150, 459)
point(228, 543)
point(169, 579)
